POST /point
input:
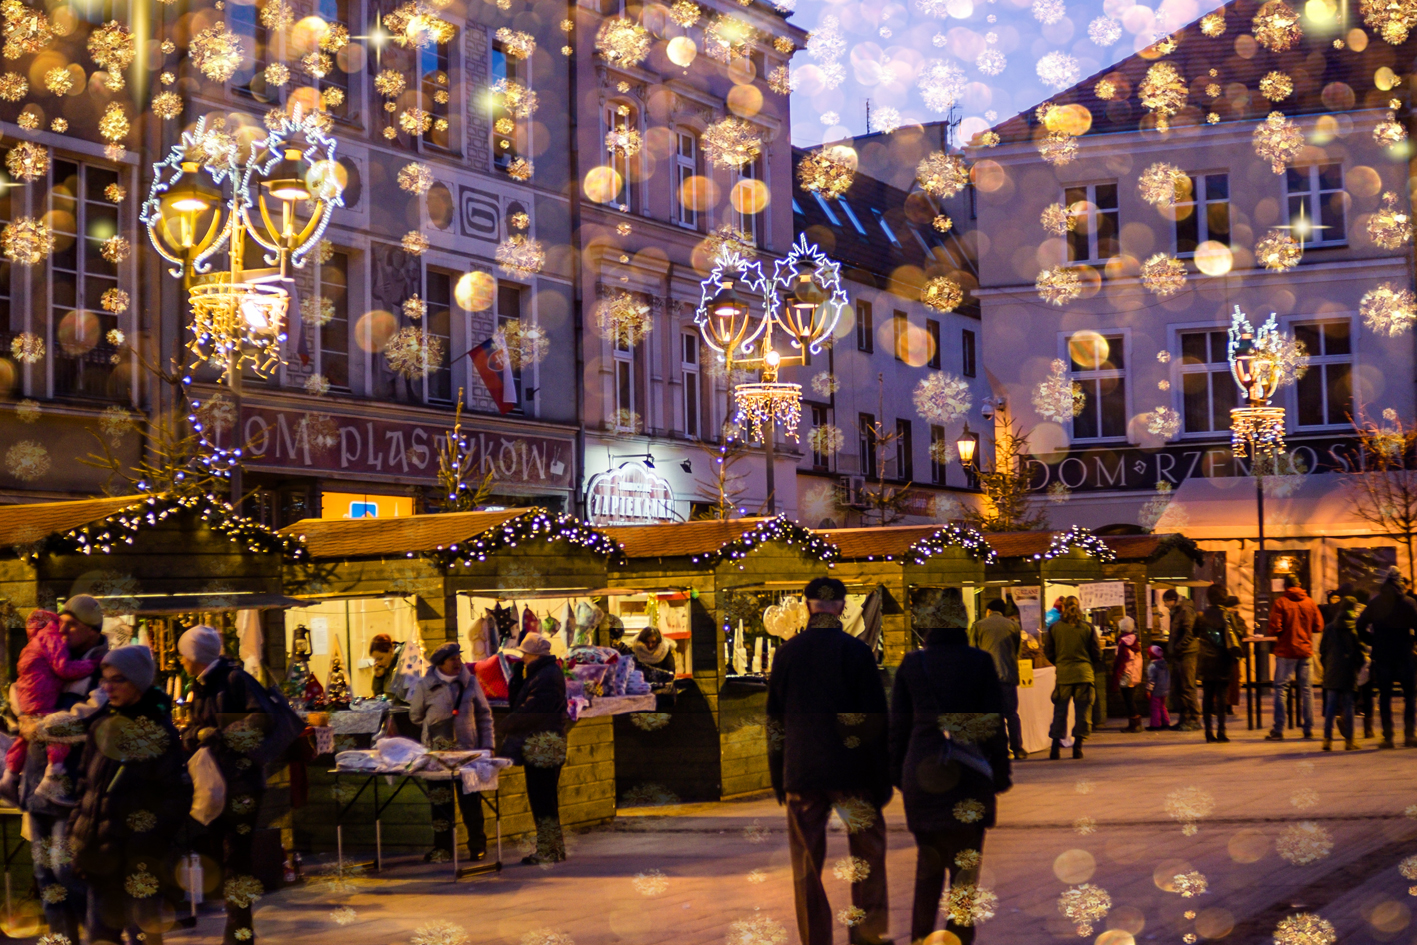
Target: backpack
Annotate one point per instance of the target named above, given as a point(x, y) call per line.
point(286, 725)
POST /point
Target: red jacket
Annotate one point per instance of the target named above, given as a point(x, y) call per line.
point(1294, 618)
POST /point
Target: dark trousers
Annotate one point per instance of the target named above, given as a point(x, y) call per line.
point(541, 793)
point(229, 842)
point(1364, 705)
point(807, 816)
point(1183, 687)
point(471, 807)
point(935, 853)
point(1338, 704)
point(112, 911)
point(50, 852)
point(1387, 678)
point(1080, 695)
point(1215, 695)
point(1129, 701)
point(1011, 719)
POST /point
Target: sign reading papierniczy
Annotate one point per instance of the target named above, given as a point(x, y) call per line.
point(630, 495)
point(347, 445)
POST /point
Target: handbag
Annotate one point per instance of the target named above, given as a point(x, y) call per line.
point(1364, 673)
point(208, 787)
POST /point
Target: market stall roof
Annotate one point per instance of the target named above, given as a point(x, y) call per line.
point(155, 605)
point(1037, 545)
point(25, 524)
point(680, 539)
point(384, 537)
point(1150, 547)
point(878, 542)
point(1315, 505)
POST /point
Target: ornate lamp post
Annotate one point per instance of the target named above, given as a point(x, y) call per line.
point(804, 299)
point(238, 315)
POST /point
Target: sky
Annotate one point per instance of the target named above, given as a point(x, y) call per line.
point(915, 59)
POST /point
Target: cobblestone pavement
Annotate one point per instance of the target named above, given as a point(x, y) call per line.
point(685, 874)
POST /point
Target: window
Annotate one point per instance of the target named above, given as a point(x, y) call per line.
point(620, 117)
point(966, 350)
point(1325, 392)
point(939, 448)
point(435, 66)
point(748, 199)
point(900, 327)
point(337, 12)
point(7, 328)
point(1208, 391)
point(332, 285)
point(1204, 214)
point(686, 166)
point(438, 323)
point(851, 215)
point(1098, 366)
point(865, 332)
point(255, 42)
point(886, 228)
point(826, 208)
point(1317, 214)
point(505, 69)
point(819, 420)
point(693, 405)
point(1093, 208)
point(866, 427)
point(509, 308)
point(904, 451)
point(81, 219)
point(430, 86)
point(932, 331)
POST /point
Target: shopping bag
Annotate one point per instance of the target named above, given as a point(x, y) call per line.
point(208, 787)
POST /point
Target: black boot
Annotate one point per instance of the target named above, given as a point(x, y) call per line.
point(1209, 735)
point(1136, 724)
point(1077, 748)
point(1220, 734)
point(1057, 751)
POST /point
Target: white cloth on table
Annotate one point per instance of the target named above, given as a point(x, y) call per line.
point(482, 774)
point(1035, 710)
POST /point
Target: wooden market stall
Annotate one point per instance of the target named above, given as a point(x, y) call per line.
point(425, 580)
point(899, 558)
point(714, 579)
point(1148, 565)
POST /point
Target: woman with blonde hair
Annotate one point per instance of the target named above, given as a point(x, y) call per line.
point(1071, 646)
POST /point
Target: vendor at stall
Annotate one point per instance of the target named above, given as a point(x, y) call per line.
point(652, 651)
point(381, 651)
point(449, 703)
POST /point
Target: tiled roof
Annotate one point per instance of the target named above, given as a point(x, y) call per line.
point(1325, 79)
point(878, 542)
point(382, 537)
point(24, 524)
point(1148, 547)
point(680, 539)
point(1020, 544)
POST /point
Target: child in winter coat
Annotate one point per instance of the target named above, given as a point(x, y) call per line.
point(1158, 684)
point(45, 668)
point(1127, 670)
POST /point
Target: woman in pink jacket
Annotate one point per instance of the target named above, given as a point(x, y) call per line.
point(1127, 670)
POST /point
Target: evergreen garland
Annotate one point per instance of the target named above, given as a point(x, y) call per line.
point(781, 529)
point(953, 536)
point(1079, 537)
point(534, 525)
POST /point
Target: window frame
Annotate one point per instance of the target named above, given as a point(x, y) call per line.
point(900, 333)
point(1091, 216)
point(319, 346)
point(1313, 199)
point(932, 332)
point(1321, 363)
point(1182, 370)
point(685, 168)
point(427, 325)
point(938, 470)
point(969, 353)
point(1201, 202)
point(904, 450)
point(692, 371)
point(623, 360)
point(753, 225)
point(622, 163)
point(821, 417)
point(866, 443)
point(1100, 375)
point(865, 327)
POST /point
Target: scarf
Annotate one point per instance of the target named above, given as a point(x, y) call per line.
point(643, 654)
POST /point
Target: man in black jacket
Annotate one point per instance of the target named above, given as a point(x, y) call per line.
point(230, 719)
point(1389, 626)
point(1184, 648)
point(534, 735)
point(827, 748)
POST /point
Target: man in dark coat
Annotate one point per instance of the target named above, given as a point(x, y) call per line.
point(534, 735)
point(949, 757)
point(1219, 648)
point(1388, 625)
point(1184, 649)
point(229, 718)
point(827, 749)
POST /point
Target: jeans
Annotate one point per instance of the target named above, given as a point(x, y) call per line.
point(1338, 702)
point(1011, 719)
point(935, 856)
point(1388, 676)
point(1080, 695)
point(1213, 701)
point(1183, 682)
point(807, 816)
point(1289, 672)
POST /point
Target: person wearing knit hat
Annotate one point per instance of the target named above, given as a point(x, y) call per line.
point(1158, 684)
point(535, 737)
point(228, 707)
point(1389, 625)
point(84, 609)
point(136, 664)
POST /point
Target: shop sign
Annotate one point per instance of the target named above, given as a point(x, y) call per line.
point(630, 495)
point(358, 446)
point(1133, 468)
point(1103, 594)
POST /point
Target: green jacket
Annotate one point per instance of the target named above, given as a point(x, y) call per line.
point(1072, 649)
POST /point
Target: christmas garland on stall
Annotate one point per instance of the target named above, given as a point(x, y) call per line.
point(122, 527)
point(534, 525)
point(780, 529)
point(1079, 537)
point(953, 536)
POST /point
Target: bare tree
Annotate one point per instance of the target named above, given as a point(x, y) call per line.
point(722, 487)
point(886, 503)
point(462, 490)
point(1004, 480)
point(1382, 486)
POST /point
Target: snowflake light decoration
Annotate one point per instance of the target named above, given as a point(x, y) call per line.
point(113, 124)
point(1213, 24)
point(1276, 86)
point(1389, 132)
point(623, 318)
point(518, 45)
point(1394, 20)
point(1388, 309)
point(731, 142)
point(115, 249)
point(686, 13)
point(970, 904)
point(1304, 928)
point(27, 348)
point(1278, 140)
point(942, 223)
point(941, 84)
point(1058, 397)
point(217, 52)
point(112, 46)
point(1390, 226)
point(521, 169)
point(623, 140)
point(826, 440)
point(728, 238)
point(1058, 148)
point(1048, 12)
point(1104, 31)
point(1059, 285)
point(1276, 26)
point(414, 307)
point(1188, 806)
point(415, 178)
point(727, 36)
point(1163, 275)
point(59, 81)
point(825, 172)
point(780, 82)
point(518, 254)
point(1105, 89)
point(414, 243)
point(621, 42)
point(1279, 251)
point(1058, 70)
point(166, 105)
point(941, 294)
point(26, 30)
point(991, 61)
point(114, 300)
point(412, 352)
point(27, 241)
point(1163, 92)
point(1304, 843)
point(13, 86)
point(942, 175)
point(1161, 184)
point(1190, 884)
point(27, 161)
point(1084, 905)
point(1164, 422)
point(526, 343)
point(1056, 220)
point(941, 397)
point(316, 310)
point(389, 83)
